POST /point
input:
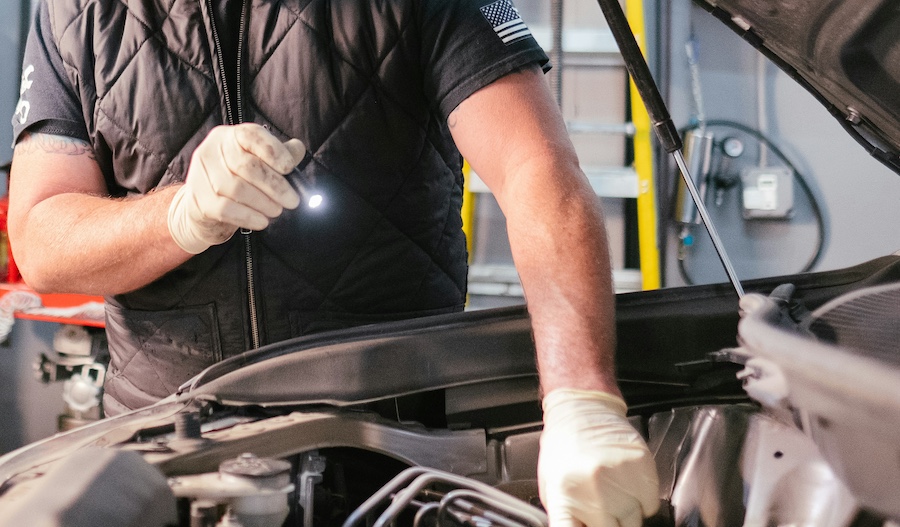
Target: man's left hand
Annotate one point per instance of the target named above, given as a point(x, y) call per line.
point(594, 468)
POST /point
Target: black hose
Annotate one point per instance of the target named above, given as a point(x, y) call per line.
point(801, 180)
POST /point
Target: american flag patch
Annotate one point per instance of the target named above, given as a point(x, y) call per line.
point(505, 20)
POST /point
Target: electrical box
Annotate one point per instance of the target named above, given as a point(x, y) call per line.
point(768, 192)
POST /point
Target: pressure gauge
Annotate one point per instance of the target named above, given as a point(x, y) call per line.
point(732, 147)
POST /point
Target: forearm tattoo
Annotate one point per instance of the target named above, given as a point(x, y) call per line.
point(53, 144)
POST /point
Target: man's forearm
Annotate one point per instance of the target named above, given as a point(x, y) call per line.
point(594, 468)
point(69, 237)
point(513, 136)
point(560, 251)
point(79, 243)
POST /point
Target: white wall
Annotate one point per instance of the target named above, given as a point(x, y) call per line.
point(859, 196)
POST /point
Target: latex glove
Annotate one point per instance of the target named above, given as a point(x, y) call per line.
point(594, 468)
point(236, 179)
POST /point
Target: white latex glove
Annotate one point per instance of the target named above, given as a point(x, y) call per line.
point(594, 468)
point(235, 180)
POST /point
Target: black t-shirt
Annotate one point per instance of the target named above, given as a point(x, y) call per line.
point(479, 40)
point(47, 102)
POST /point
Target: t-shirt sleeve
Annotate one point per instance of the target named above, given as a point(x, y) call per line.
point(468, 44)
point(47, 101)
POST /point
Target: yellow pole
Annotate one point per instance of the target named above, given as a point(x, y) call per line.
point(643, 163)
point(468, 209)
point(468, 213)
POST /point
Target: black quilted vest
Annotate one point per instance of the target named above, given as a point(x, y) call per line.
point(345, 77)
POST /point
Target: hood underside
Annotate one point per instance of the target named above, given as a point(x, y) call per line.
point(845, 52)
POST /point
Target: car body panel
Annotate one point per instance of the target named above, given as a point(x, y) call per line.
point(845, 53)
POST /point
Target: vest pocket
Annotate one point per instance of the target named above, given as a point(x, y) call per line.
point(154, 352)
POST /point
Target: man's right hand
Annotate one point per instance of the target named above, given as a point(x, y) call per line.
point(235, 180)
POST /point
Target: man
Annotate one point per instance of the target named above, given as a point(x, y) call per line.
point(155, 155)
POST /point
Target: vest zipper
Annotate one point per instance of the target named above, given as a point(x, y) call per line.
point(230, 111)
point(251, 288)
point(221, 60)
point(247, 234)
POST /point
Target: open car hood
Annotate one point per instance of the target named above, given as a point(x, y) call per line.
point(845, 52)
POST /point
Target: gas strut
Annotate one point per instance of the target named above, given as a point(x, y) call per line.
point(659, 116)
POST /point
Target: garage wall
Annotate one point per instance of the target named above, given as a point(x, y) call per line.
point(11, 65)
point(858, 195)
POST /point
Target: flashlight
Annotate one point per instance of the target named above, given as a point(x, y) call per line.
point(308, 193)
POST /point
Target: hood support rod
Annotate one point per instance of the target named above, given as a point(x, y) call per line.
point(662, 122)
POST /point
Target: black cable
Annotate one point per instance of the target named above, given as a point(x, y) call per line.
point(801, 180)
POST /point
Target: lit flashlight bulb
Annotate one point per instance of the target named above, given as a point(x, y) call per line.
point(308, 194)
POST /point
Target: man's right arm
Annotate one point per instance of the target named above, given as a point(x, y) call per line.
point(69, 236)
